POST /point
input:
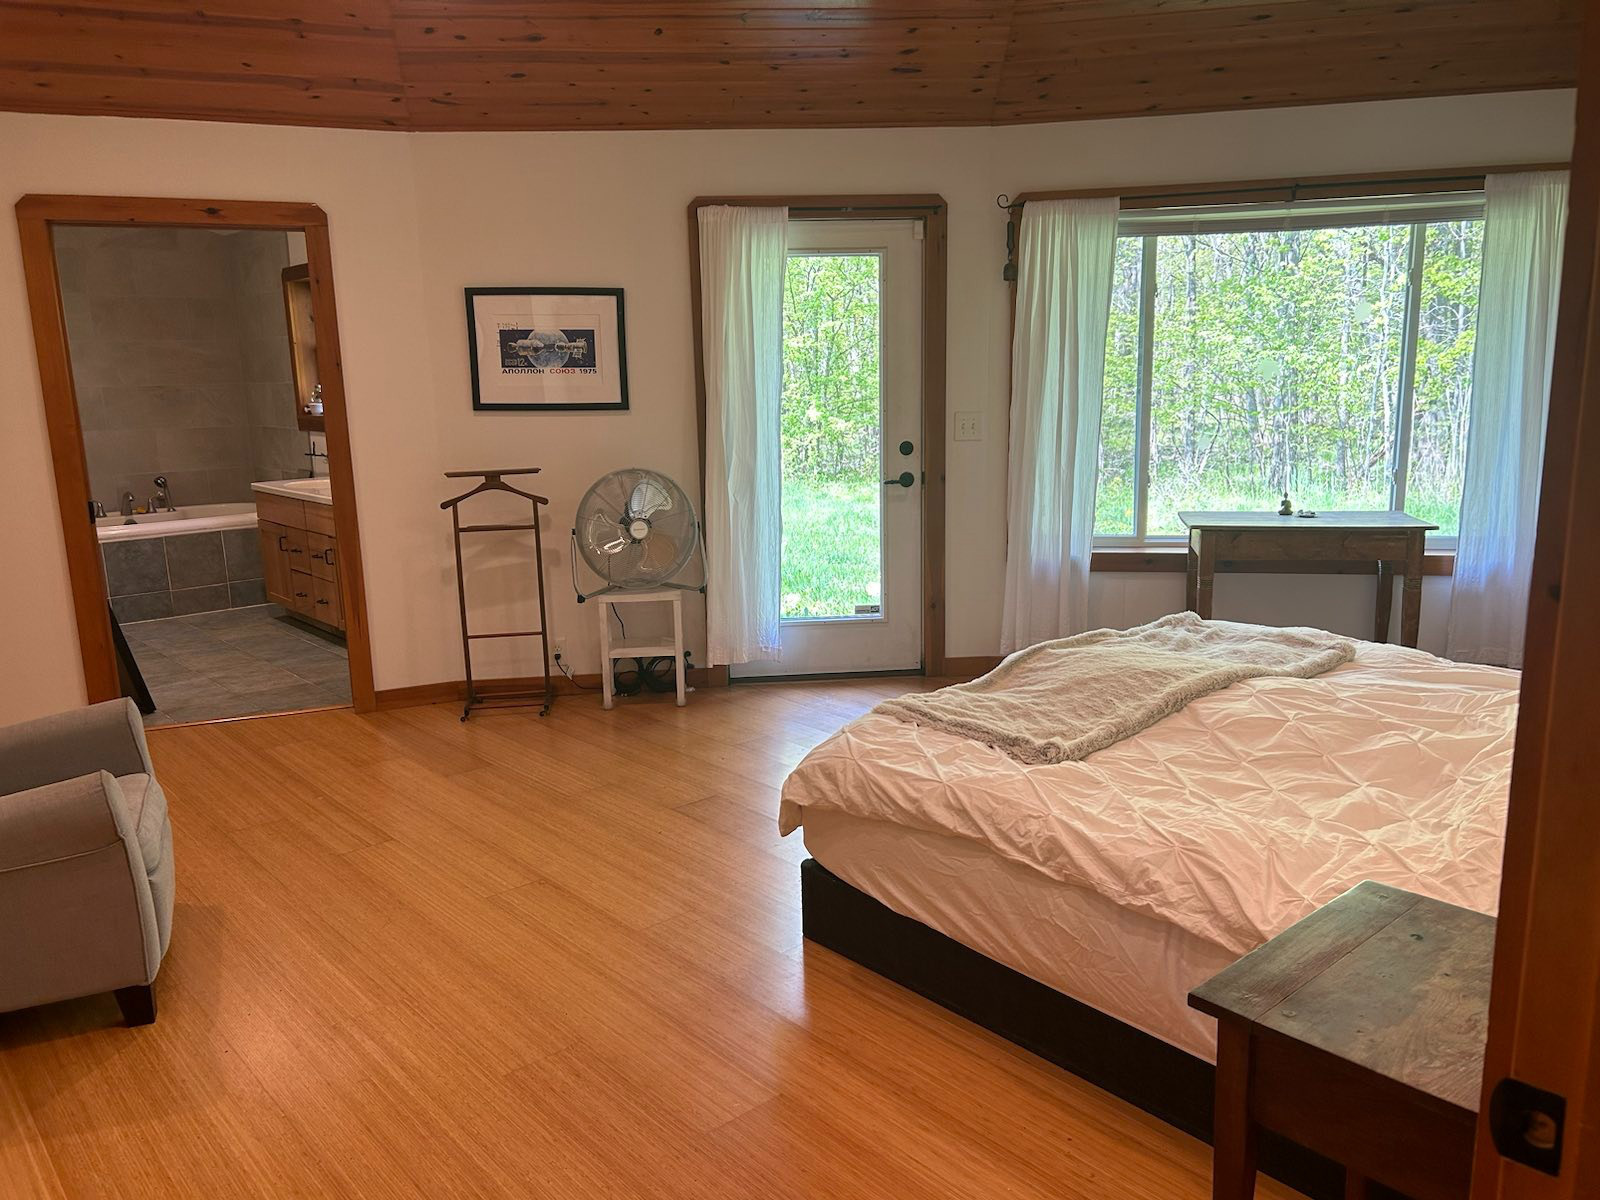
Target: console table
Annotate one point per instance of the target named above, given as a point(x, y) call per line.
point(1358, 1033)
point(1323, 544)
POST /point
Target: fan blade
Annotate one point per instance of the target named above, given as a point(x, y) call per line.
point(660, 552)
point(648, 498)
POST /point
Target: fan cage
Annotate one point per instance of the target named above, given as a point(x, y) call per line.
point(635, 528)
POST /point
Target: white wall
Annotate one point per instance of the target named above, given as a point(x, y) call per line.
point(415, 217)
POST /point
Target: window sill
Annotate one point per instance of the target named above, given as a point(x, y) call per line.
point(1175, 560)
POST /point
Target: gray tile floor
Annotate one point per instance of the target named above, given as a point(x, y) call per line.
point(236, 663)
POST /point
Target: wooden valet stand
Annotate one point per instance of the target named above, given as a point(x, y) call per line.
point(493, 481)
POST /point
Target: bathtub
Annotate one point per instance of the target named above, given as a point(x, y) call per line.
point(192, 518)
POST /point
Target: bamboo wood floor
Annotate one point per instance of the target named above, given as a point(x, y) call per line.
point(555, 958)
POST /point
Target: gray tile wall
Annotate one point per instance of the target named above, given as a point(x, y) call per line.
point(151, 578)
point(180, 357)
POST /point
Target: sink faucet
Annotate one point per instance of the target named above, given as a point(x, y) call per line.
point(127, 504)
point(162, 500)
point(313, 454)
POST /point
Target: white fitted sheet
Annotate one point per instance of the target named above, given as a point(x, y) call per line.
point(1130, 966)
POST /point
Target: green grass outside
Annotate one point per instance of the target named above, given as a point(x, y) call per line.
point(830, 547)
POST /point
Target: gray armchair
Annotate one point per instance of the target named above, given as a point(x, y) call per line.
point(85, 861)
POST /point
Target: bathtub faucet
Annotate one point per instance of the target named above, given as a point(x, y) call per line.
point(127, 504)
point(162, 500)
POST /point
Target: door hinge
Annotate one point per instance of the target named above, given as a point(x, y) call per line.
point(1527, 1124)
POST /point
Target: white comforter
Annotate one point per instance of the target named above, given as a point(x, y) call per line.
point(1238, 815)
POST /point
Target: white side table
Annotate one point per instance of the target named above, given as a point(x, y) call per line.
point(640, 647)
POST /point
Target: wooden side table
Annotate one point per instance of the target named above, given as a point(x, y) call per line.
point(1358, 1033)
point(1323, 544)
point(611, 650)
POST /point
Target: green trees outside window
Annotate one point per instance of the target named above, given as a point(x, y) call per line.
point(832, 425)
point(1332, 363)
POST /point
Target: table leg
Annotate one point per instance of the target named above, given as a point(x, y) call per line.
point(605, 653)
point(682, 667)
point(1385, 601)
point(1411, 593)
point(1233, 1136)
point(1205, 568)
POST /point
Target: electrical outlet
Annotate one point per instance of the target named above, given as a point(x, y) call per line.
point(558, 648)
point(969, 427)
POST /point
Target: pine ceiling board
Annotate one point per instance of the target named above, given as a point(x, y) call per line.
point(204, 101)
point(544, 64)
point(587, 31)
point(1094, 59)
point(295, 63)
point(1200, 88)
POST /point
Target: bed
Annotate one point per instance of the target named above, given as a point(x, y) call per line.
point(1071, 907)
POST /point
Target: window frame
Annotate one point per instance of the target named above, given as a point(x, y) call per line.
point(1405, 406)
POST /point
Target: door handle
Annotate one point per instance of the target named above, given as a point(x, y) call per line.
point(906, 448)
point(904, 479)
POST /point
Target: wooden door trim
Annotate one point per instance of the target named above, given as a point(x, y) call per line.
point(1544, 1027)
point(36, 214)
point(934, 213)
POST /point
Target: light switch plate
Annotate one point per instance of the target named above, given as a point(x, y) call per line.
point(969, 427)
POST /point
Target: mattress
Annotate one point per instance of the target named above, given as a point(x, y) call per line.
point(1154, 862)
point(1131, 966)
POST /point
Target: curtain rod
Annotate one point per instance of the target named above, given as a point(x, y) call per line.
point(1464, 175)
point(836, 208)
point(1005, 202)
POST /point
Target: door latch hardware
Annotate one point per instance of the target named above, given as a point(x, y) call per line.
point(1527, 1124)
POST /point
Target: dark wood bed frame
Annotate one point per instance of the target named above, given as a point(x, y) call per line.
point(1143, 1070)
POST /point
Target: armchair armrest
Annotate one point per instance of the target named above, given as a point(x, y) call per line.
point(61, 820)
point(103, 737)
point(77, 910)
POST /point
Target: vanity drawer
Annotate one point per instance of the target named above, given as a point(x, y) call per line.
point(319, 518)
point(325, 605)
point(281, 510)
point(323, 551)
point(294, 546)
point(302, 595)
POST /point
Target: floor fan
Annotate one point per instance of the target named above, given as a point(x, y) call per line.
point(636, 529)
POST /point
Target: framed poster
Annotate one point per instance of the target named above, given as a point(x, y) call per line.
point(547, 348)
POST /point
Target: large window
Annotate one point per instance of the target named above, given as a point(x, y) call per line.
point(1321, 349)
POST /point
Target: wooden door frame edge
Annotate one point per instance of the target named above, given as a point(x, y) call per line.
point(932, 210)
point(36, 214)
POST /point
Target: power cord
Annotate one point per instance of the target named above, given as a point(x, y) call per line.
point(656, 674)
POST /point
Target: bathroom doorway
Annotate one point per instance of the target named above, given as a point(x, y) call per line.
point(188, 352)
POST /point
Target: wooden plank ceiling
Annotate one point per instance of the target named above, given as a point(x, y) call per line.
point(622, 64)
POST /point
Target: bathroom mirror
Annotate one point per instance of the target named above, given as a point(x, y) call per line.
point(303, 347)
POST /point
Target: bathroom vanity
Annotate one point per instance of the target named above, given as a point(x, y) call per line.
point(300, 549)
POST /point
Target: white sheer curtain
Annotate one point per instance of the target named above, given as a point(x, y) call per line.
point(741, 319)
point(1525, 220)
point(1057, 374)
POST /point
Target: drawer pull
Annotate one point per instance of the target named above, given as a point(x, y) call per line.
point(296, 550)
point(281, 546)
point(327, 556)
point(300, 595)
point(322, 601)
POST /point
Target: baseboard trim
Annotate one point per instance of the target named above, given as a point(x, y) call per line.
point(456, 689)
